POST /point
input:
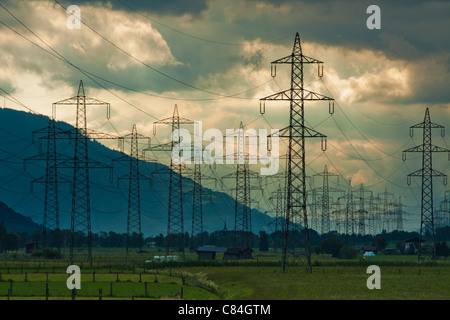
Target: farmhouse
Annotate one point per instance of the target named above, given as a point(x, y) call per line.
point(238, 253)
point(209, 252)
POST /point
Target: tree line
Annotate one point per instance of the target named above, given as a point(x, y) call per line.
point(263, 240)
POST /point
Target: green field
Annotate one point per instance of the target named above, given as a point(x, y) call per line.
point(402, 277)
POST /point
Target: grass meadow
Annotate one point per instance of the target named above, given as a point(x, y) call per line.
point(402, 278)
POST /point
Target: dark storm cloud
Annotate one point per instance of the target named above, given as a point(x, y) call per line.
point(170, 7)
point(409, 29)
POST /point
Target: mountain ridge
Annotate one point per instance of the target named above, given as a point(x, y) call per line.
point(109, 202)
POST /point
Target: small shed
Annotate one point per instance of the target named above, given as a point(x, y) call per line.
point(238, 253)
point(31, 247)
point(209, 252)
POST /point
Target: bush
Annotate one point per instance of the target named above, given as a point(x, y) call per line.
point(331, 246)
point(347, 252)
point(442, 250)
point(199, 279)
point(37, 254)
point(50, 253)
point(47, 253)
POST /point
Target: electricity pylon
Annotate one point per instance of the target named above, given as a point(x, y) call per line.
point(325, 205)
point(243, 178)
point(134, 225)
point(279, 196)
point(50, 180)
point(427, 245)
point(197, 193)
point(387, 209)
point(349, 211)
point(80, 163)
point(197, 203)
point(175, 219)
point(340, 215)
point(444, 212)
point(296, 132)
point(399, 215)
point(371, 217)
point(377, 209)
point(362, 214)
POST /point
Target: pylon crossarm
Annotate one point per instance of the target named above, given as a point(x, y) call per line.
point(160, 147)
point(86, 101)
point(45, 180)
point(307, 95)
point(279, 133)
point(46, 132)
point(44, 157)
point(295, 58)
point(436, 173)
point(74, 133)
point(414, 149)
point(438, 149)
point(311, 133)
point(169, 146)
point(313, 96)
point(307, 59)
point(430, 125)
point(170, 120)
point(283, 95)
point(75, 101)
point(74, 163)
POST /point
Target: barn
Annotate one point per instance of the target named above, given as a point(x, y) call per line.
point(209, 252)
point(238, 253)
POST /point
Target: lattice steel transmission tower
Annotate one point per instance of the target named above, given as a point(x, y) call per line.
point(80, 163)
point(325, 205)
point(175, 221)
point(427, 234)
point(197, 203)
point(279, 197)
point(50, 180)
point(362, 213)
point(313, 216)
point(371, 218)
point(197, 193)
point(349, 211)
point(134, 177)
point(243, 178)
point(399, 215)
point(297, 132)
point(340, 214)
point(444, 212)
point(387, 201)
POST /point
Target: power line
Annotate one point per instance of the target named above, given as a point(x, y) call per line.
point(197, 37)
point(154, 69)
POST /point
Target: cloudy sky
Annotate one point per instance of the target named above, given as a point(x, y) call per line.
point(212, 59)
